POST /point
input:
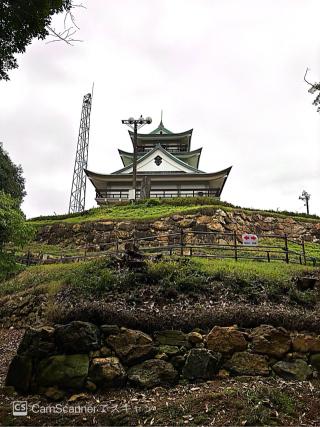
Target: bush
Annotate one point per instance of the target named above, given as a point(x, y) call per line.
point(92, 278)
point(8, 266)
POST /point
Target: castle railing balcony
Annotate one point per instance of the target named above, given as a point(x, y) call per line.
point(114, 195)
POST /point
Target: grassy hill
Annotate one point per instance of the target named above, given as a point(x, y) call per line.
point(170, 293)
point(156, 208)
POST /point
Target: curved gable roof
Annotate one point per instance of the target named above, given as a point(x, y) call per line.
point(190, 157)
point(165, 152)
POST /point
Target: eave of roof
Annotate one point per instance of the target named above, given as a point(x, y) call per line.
point(124, 177)
point(152, 136)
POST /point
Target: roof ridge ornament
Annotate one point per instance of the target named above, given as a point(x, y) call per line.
point(161, 129)
point(161, 122)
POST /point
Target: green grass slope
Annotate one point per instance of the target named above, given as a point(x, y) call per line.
point(157, 208)
point(171, 293)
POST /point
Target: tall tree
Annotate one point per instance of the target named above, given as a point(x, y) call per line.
point(20, 22)
point(13, 226)
point(14, 230)
point(11, 179)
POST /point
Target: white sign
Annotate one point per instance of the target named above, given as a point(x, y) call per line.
point(249, 239)
point(132, 194)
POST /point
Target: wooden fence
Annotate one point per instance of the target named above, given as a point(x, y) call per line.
point(194, 243)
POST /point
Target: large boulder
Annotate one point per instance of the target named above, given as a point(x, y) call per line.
point(315, 361)
point(271, 341)
point(107, 372)
point(170, 350)
point(226, 340)
point(37, 342)
point(152, 373)
point(131, 346)
point(201, 364)
point(244, 363)
point(109, 329)
point(171, 337)
point(77, 337)
point(306, 343)
point(297, 369)
point(65, 371)
point(194, 338)
point(20, 373)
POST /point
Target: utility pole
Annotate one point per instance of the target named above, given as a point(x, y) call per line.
point(135, 124)
point(305, 197)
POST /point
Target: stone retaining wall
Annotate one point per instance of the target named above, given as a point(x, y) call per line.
point(80, 355)
point(211, 219)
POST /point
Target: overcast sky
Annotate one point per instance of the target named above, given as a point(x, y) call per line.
point(231, 70)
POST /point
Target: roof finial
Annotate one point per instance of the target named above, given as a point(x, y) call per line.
point(161, 124)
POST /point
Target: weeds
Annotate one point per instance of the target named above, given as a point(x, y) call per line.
point(265, 404)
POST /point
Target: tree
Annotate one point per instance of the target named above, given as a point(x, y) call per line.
point(13, 226)
point(23, 20)
point(13, 229)
point(11, 179)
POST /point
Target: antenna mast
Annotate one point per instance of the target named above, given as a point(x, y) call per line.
point(79, 180)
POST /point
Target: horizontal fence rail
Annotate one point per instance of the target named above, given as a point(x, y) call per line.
point(208, 244)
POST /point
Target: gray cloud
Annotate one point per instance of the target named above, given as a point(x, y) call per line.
point(232, 70)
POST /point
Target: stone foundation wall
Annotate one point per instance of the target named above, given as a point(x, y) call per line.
point(100, 232)
point(80, 355)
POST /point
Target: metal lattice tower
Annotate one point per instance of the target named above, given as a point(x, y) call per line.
point(79, 181)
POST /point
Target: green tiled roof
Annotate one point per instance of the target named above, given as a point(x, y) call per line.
point(161, 130)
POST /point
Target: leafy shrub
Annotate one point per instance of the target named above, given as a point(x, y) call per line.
point(8, 266)
point(152, 202)
point(94, 277)
point(306, 298)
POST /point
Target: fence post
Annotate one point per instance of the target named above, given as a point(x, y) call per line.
point(304, 252)
point(286, 248)
point(235, 245)
point(181, 242)
point(28, 258)
point(268, 256)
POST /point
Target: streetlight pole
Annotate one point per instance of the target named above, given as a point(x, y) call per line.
point(134, 165)
point(135, 124)
point(305, 197)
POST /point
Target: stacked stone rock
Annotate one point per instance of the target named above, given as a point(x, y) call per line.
point(80, 355)
point(103, 232)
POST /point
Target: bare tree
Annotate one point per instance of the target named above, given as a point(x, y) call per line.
point(70, 27)
point(314, 87)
